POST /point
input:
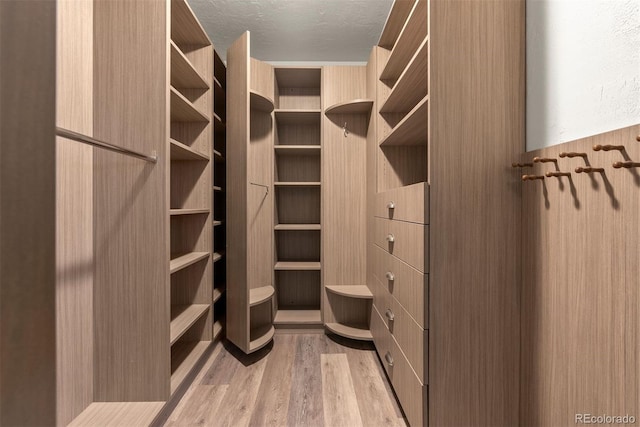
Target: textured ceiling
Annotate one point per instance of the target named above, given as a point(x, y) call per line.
point(296, 30)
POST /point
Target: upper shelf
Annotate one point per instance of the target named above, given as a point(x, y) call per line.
point(180, 151)
point(260, 102)
point(411, 86)
point(182, 110)
point(356, 106)
point(412, 130)
point(185, 27)
point(260, 295)
point(297, 117)
point(397, 17)
point(414, 31)
point(351, 291)
point(183, 73)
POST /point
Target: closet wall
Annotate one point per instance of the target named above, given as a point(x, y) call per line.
point(580, 336)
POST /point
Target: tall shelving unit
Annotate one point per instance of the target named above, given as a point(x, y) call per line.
point(190, 175)
point(298, 187)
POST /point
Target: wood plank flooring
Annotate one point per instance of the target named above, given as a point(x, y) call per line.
point(298, 380)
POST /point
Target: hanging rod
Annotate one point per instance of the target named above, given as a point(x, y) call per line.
point(65, 133)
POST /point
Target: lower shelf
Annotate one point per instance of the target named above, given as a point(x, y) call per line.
point(217, 329)
point(262, 340)
point(298, 317)
point(260, 295)
point(184, 357)
point(355, 333)
point(111, 414)
point(183, 317)
point(297, 265)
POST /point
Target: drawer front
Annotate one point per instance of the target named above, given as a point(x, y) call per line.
point(410, 203)
point(410, 391)
point(405, 283)
point(381, 336)
point(405, 240)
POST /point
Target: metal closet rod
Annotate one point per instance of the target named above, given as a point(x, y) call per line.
point(66, 133)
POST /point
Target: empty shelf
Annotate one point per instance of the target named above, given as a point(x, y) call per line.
point(260, 102)
point(217, 293)
point(217, 256)
point(300, 317)
point(183, 317)
point(217, 329)
point(178, 262)
point(184, 357)
point(356, 106)
point(175, 212)
point(217, 188)
point(180, 151)
point(183, 73)
point(351, 291)
point(298, 227)
point(356, 333)
point(260, 295)
point(185, 27)
point(395, 21)
point(297, 184)
point(412, 130)
point(297, 265)
point(298, 150)
point(182, 110)
point(262, 340)
point(297, 117)
point(411, 87)
point(112, 414)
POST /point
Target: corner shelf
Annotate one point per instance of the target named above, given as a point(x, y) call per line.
point(183, 74)
point(178, 262)
point(356, 106)
point(297, 227)
point(183, 317)
point(411, 86)
point(262, 340)
point(180, 151)
point(300, 317)
point(177, 212)
point(356, 333)
point(260, 102)
point(412, 130)
point(260, 295)
point(182, 110)
point(297, 266)
point(351, 291)
point(184, 357)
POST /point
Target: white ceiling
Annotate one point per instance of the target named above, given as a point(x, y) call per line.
point(296, 30)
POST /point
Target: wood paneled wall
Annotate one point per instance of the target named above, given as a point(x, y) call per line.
point(27, 213)
point(477, 129)
point(581, 284)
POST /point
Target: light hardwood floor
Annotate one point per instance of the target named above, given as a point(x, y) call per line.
point(298, 380)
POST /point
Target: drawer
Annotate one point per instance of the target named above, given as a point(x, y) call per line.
point(381, 297)
point(408, 285)
point(381, 336)
point(405, 240)
point(410, 203)
point(412, 394)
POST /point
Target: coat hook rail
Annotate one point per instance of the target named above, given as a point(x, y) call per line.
point(521, 165)
point(532, 177)
point(66, 133)
point(572, 155)
point(626, 165)
point(589, 170)
point(544, 160)
point(557, 174)
point(599, 147)
point(266, 187)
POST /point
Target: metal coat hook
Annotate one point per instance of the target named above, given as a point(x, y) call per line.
point(261, 185)
point(344, 129)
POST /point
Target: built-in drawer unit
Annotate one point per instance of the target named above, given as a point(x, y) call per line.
point(410, 203)
point(408, 285)
point(405, 240)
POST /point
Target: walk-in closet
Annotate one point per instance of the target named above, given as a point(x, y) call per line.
point(301, 213)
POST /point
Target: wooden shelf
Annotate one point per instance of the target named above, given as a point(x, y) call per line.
point(116, 414)
point(217, 329)
point(180, 151)
point(412, 130)
point(178, 262)
point(184, 357)
point(262, 340)
point(310, 150)
point(185, 27)
point(260, 295)
point(297, 117)
point(176, 212)
point(217, 188)
point(183, 73)
point(298, 317)
point(414, 31)
point(351, 291)
point(356, 333)
point(411, 86)
point(183, 317)
point(218, 156)
point(260, 102)
point(218, 124)
point(217, 256)
point(297, 184)
point(297, 266)
point(217, 293)
point(217, 223)
point(182, 110)
point(356, 106)
point(395, 22)
point(297, 227)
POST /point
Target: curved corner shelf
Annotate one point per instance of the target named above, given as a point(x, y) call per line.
point(259, 295)
point(262, 340)
point(356, 106)
point(351, 291)
point(351, 332)
point(260, 102)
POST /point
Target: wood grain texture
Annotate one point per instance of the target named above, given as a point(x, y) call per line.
point(410, 203)
point(580, 296)
point(395, 22)
point(118, 414)
point(74, 211)
point(405, 240)
point(477, 118)
point(27, 209)
point(131, 294)
point(340, 404)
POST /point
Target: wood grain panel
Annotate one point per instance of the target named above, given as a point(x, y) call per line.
point(262, 78)
point(580, 274)
point(477, 123)
point(342, 84)
point(340, 405)
point(27, 209)
point(131, 294)
point(410, 203)
point(405, 240)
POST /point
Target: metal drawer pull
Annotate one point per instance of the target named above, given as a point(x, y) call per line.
point(390, 276)
point(390, 238)
point(390, 315)
point(389, 359)
point(391, 205)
